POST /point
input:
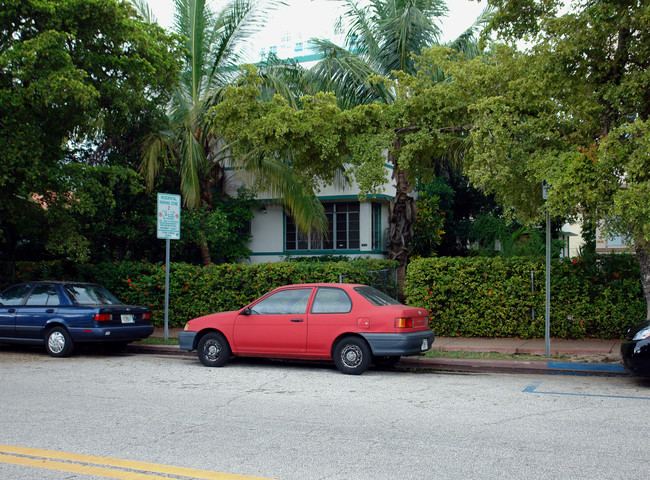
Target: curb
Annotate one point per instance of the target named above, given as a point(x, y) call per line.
point(513, 366)
point(153, 349)
point(449, 364)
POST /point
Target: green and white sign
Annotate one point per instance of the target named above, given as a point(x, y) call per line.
point(169, 216)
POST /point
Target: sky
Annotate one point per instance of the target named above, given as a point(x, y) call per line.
point(304, 19)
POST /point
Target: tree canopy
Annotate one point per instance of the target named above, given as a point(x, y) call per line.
point(572, 111)
point(78, 79)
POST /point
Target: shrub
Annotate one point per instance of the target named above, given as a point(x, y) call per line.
point(195, 290)
point(492, 297)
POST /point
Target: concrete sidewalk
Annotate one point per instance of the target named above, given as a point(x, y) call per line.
point(532, 347)
point(592, 349)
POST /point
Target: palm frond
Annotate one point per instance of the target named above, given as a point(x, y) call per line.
point(346, 75)
point(467, 42)
point(192, 18)
point(281, 183)
point(194, 162)
point(143, 9)
point(282, 77)
point(361, 34)
point(233, 28)
point(157, 148)
point(406, 31)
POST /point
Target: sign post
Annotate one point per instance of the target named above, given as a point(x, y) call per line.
point(169, 227)
point(547, 320)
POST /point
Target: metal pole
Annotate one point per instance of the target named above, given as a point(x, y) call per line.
point(547, 327)
point(167, 242)
point(532, 290)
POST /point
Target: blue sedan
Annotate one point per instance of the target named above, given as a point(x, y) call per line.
point(60, 314)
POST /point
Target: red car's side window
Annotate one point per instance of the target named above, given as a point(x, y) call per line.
point(285, 302)
point(331, 300)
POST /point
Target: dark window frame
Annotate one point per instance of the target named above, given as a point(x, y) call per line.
point(343, 225)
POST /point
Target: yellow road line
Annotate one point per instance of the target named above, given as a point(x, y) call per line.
point(49, 455)
point(76, 468)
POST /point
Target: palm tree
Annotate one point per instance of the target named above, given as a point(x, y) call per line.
point(214, 41)
point(382, 38)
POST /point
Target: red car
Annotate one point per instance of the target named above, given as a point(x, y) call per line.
point(350, 324)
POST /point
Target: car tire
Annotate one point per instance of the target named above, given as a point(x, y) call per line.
point(352, 355)
point(58, 342)
point(213, 350)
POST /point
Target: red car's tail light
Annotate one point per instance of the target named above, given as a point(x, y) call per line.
point(102, 317)
point(403, 322)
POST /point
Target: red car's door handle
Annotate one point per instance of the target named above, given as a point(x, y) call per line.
point(296, 319)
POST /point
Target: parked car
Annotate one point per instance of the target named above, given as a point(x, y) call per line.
point(635, 350)
point(353, 325)
point(60, 314)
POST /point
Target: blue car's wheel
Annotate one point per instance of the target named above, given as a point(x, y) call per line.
point(58, 342)
point(213, 350)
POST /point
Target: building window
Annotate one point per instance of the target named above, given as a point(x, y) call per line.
point(273, 50)
point(342, 230)
point(618, 241)
point(376, 226)
point(298, 47)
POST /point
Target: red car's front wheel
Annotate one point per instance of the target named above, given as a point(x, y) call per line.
point(213, 350)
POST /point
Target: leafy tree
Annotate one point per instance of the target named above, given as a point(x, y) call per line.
point(107, 213)
point(320, 139)
point(428, 226)
point(214, 41)
point(383, 37)
point(382, 42)
point(223, 228)
point(572, 111)
point(459, 204)
point(76, 77)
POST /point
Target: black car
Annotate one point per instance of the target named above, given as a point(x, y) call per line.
point(635, 350)
point(60, 314)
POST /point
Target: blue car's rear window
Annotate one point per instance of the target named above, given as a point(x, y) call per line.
point(91, 295)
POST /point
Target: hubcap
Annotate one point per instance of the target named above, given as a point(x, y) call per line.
point(212, 350)
point(56, 342)
point(351, 355)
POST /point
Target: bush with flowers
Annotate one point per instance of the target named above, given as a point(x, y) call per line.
point(196, 290)
point(599, 297)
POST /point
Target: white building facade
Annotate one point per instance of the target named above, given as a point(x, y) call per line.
point(355, 228)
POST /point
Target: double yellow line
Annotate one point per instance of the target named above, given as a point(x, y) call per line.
point(101, 466)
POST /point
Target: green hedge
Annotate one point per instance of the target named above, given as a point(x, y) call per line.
point(481, 297)
point(195, 290)
point(492, 297)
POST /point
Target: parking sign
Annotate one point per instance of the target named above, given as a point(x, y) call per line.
point(169, 216)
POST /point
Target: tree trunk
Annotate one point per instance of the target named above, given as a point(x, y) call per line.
point(205, 251)
point(643, 256)
point(401, 215)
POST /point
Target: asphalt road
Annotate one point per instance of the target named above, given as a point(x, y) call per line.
point(307, 421)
